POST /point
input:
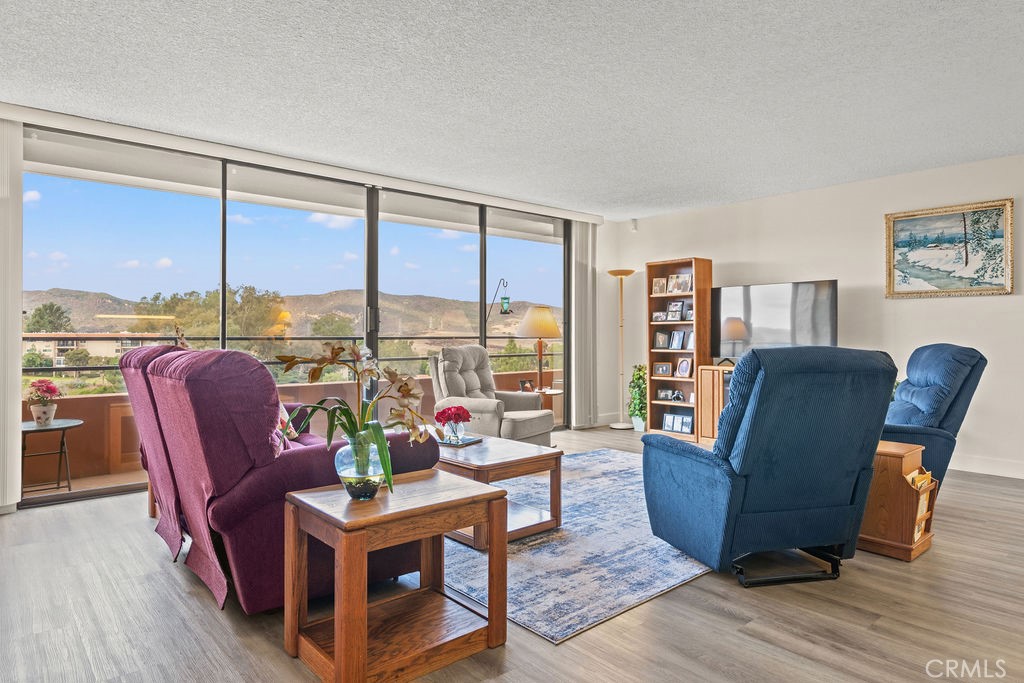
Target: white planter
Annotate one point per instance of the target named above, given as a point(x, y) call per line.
point(43, 415)
point(638, 424)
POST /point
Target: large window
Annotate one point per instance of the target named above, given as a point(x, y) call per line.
point(120, 244)
point(429, 282)
point(295, 264)
point(526, 251)
point(128, 245)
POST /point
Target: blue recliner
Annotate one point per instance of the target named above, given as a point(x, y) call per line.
point(930, 405)
point(792, 464)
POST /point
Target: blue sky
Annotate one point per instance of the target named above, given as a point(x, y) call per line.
point(133, 242)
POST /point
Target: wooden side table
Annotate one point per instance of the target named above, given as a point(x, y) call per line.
point(63, 461)
point(495, 459)
point(397, 638)
point(897, 517)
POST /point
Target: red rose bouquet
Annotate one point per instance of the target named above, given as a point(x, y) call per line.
point(452, 414)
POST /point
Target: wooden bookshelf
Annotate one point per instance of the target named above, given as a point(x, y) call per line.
point(694, 274)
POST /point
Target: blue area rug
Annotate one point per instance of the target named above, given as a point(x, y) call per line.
point(603, 560)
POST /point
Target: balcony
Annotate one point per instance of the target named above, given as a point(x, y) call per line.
point(104, 451)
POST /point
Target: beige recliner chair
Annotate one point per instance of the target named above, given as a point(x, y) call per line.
point(462, 377)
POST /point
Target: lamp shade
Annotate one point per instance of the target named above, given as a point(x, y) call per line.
point(734, 330)
point(538, 323)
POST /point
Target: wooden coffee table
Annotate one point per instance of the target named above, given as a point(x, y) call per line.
point(395, 638)
point(495, 459)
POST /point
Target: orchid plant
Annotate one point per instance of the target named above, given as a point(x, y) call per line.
point(359, 420)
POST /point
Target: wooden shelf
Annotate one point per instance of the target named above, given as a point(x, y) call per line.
point(669, 296)
point(668, 378)
point(671, 322)
point(523, 520)
point(678, 435)
point(671, 350)
point(673, 403)
point(403, 631)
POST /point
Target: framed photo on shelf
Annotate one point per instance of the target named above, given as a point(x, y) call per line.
point(661, 340)
point(685, 424)
point(677, 423)
point(683, 368)
point(658, 285)
point(676, 306)
point(673, 315)
point(691, 341)
point(663, 395)
point(676, 342)
point(675, 284)
point(667, 423)
point(661, 370)
point(693, 397)
point(658, 316)
point(688, 314)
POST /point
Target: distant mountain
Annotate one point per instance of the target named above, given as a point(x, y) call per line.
point(400, 314)
point(84, 307)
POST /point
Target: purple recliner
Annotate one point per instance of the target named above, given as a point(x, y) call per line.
point(134, 364)
point(218, 412)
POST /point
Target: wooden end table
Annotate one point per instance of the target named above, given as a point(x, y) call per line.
point(396, 638)
point(494, 459)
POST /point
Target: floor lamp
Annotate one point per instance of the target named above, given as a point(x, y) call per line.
point(539, 322)
point(621, 274)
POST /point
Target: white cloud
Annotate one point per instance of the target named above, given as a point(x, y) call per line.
point(469, 247)
point(163, 263)
point(332, 221)
point(32, 254)
point(447, 234)
point(239, 218)
point(350, 256)
point(30, 196)
point(394, 251)
point(58, 256)
point(130, 263)
point(412, 266)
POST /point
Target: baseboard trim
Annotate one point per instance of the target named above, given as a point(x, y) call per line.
point(87, 494)
point(980, 464)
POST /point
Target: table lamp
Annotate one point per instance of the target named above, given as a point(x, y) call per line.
point(621, 274)
point(539, 322)
point(735, 330)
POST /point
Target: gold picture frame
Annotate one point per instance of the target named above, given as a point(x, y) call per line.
point(923, 250)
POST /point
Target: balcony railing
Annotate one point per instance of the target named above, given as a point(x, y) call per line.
point(104, 451)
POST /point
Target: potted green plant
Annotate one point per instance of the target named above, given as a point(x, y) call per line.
point(637, 406)
point(365, 462)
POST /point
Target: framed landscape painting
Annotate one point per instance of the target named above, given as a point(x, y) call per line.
point(963, 250)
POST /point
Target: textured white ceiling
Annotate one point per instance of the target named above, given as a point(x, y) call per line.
point(620, 108)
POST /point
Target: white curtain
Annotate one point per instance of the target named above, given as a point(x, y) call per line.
point(583, 411)
point(10, 314)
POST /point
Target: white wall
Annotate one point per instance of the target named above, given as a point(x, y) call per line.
point(839, 232)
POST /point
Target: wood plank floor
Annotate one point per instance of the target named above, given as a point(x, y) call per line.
point(88, 592)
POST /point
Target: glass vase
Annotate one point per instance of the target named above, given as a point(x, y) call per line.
point(358, 466)
point(453, 432)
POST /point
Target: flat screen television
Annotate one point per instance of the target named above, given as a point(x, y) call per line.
point(785, 314)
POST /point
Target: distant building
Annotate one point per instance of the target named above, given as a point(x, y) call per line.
point(56, 346)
